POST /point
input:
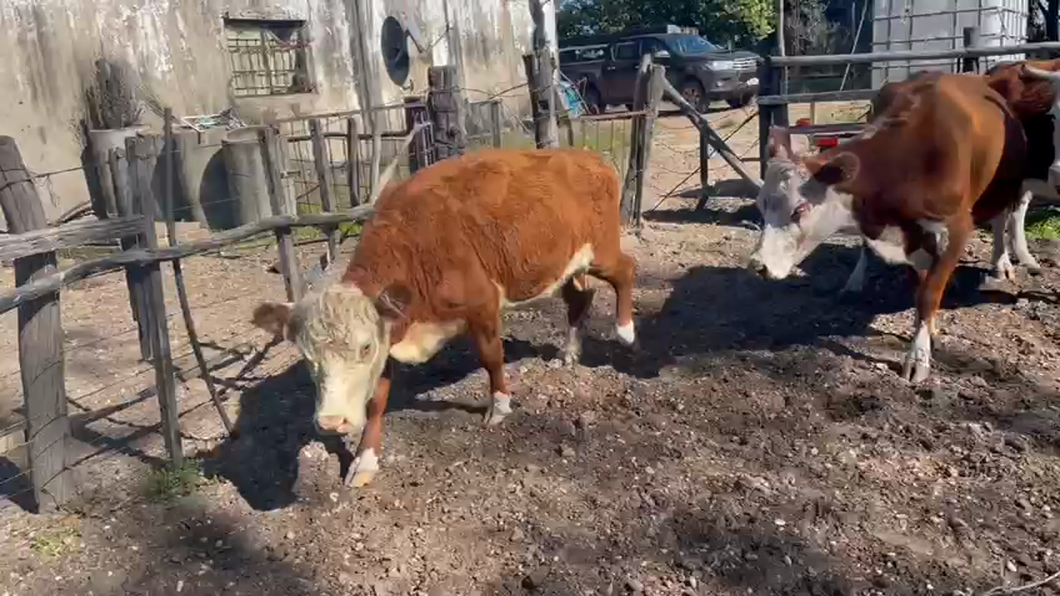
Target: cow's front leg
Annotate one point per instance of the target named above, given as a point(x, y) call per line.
point(917, 365)
point(366, 458)
point(856, 281)
point(485, 330)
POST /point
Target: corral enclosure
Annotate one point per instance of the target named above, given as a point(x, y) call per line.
point(760, 442)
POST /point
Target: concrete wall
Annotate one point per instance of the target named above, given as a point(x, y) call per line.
point(48, 49)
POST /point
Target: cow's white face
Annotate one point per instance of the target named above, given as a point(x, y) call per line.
point(1054, 80)
point(345, 339)
point(799, 210)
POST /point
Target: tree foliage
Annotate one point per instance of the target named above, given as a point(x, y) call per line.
point(741, 22)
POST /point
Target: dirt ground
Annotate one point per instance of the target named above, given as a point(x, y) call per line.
point(760, 443)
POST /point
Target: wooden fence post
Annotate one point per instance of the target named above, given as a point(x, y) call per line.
point(123, 172)
point(654, 93)
point(765, 113)
point(637, 123)
point(495, 122)
point(322, 161)
point(419, 152)
point(353, 161)
point(280, 206)
point(444, 102)
point(40, 340)
point(543, 80)
point(165, 372)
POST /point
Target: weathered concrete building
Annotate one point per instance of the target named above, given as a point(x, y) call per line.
point(279, 57)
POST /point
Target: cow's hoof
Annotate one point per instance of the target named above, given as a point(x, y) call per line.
point(500, 407)
point(571, 357)
point(363, 469)
point(357, 479)
point(917, 367)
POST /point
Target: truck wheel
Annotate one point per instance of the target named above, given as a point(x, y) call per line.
point(692, 91)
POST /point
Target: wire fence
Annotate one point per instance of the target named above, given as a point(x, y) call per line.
point(110, 389)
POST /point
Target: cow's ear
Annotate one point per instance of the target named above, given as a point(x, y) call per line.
point(393, 302)
point(838, 169)
point(274, 317)
point(779, 146)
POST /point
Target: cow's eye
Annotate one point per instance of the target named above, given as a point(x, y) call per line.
point(365, 350)
point(800, 210)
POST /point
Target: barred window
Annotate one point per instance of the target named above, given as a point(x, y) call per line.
point(268, 57)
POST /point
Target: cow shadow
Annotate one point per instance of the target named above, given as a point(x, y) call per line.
point(275, 422)
point(713, 311)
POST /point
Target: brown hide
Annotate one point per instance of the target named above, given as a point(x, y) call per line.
point(943, 144)
point(1031, 99)
point(459, 229)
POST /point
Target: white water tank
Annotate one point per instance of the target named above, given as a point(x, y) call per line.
point(939, 25)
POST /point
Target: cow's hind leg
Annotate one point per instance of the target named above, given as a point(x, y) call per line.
point(1018, 234)
point(366, 457)
point(579, 298)
point(485, 329)
point(917, 365)
point(1000, 260)
point(620, 272)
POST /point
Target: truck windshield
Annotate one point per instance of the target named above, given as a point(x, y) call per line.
point(692, 44)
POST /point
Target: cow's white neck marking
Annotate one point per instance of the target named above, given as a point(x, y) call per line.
point(890, 245)
point(424, 340)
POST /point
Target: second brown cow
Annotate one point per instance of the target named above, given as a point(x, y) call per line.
point(446, 252)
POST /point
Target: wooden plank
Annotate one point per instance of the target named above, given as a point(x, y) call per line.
point(70, 235)
point(182, 296)
point(322, 162)
point(783, 100)
point(280, 206)
point(825, 129)
point(353, 162)
point(125, 185)
point(165, 372)
point(51, 283)
point(386, 135)
point(901, 55)
point(40, 340)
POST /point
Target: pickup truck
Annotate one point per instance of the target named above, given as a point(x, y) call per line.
point(604, 69)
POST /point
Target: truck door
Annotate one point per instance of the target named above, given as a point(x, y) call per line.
point(620, 72)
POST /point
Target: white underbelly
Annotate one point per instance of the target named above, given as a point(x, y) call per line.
point(578, 263)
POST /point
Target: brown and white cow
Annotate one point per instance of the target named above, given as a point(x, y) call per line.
point(445, 252)
point(1010, 237)
point(946, 153)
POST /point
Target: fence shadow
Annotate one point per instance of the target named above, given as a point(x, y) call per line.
point(713, 310)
